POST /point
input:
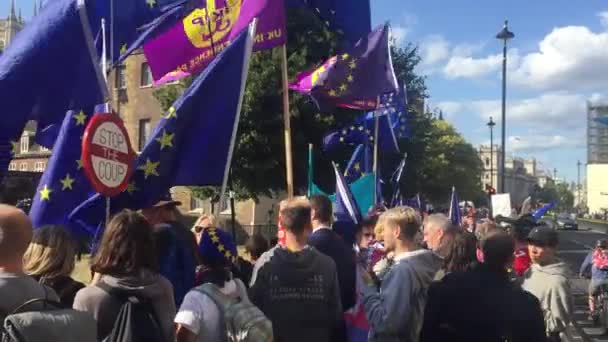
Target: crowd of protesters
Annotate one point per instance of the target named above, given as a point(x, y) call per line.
point(397, 276)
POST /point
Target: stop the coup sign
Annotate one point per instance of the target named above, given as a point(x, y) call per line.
point(107, 155)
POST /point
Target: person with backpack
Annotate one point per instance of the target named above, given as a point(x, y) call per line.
point(50, 259)
point(131, 301)
point(297, 288)
point(175, 246)
point(220, 307)
point(597, 262)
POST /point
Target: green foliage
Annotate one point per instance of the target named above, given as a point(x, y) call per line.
point(557, 193)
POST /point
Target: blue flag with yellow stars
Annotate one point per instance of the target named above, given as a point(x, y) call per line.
point(193, 142)
point(50, 65)
point(352, 18)
point(354, 79)
point(394, 106)
point(360, 164)
point(127, 20)
point(63, 185)
point(347, 208)
point(396, 183)
point(455, 214)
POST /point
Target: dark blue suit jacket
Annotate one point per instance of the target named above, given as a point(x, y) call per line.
point(331, 244)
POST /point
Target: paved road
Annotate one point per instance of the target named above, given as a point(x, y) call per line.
point(574, 246)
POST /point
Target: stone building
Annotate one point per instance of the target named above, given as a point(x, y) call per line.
point(10, 26)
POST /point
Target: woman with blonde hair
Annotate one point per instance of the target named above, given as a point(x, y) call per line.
point(50, 259)
point(203, 222)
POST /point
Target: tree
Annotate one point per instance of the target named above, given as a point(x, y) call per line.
point(557, 193)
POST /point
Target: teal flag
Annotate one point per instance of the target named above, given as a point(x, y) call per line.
point(362, 189)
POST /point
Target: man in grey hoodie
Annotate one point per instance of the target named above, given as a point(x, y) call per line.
point(395, 313)
point(547, 279)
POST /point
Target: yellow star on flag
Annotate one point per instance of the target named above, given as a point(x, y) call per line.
point(67, 182)
point(151, 3)
point(345, 56)
point(350, 78)
point(341, 138)
point(79, 164)
point(221, 248)
point(131, 188)
point(170, 114)
point(332, 93)
point(352, 65)
point(150, 168)
point(343, 87)
point(80, 118)
point(123, 49)
point(357, 166)
point(228, 254)
point(45, 193)
point(361, 128)
point(215, 239)
point(166, 140)
point(14, 147)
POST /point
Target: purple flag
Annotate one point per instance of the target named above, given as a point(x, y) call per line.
point(354, 79)
point(189, 46)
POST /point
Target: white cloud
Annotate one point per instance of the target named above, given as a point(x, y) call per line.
point(399, 33)
point(450, 107)
point(534, 143)
point(434, 49)
point(603, 18)
point(469, 67)
point(571, 57)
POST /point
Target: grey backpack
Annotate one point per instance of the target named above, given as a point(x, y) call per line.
point(52, 323)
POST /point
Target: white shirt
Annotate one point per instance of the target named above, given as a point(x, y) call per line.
point(201, 316)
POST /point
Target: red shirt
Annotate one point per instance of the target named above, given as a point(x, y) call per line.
point(522, 260)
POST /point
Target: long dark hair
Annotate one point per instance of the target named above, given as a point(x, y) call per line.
point(461, 252)
point(127, 246)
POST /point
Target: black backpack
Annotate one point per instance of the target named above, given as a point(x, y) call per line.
point(136, 320)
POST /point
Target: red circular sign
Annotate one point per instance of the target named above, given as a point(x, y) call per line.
point(107, 155)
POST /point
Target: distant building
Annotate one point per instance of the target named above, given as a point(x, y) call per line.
point(520, 175)
point(597, 134)
point(10, 26)
point(597, 188)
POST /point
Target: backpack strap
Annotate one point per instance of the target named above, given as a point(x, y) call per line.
point(221, 301)
point(242, 290)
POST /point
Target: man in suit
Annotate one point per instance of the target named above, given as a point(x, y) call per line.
point(325, 240)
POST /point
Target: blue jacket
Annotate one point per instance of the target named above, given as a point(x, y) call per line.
point(175, 260)
point(596, 274)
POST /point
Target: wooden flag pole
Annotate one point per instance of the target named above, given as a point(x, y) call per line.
point(287, 123)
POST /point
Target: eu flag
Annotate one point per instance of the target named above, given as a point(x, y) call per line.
point(50, 65)
point(193, 142)
point(352, 18)
point(127, 20)
point(360, 164)
point(538, 214)
point(354, 79)
point(396, 182)
point(347, 208)
point(63, 185)
point(455, 214)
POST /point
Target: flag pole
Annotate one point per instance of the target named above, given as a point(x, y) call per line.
point(376, 156)
point(287, 123)
point(310, 169)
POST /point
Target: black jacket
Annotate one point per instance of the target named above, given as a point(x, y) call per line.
point(481, 305)
point(299, 293)
point(331, 244)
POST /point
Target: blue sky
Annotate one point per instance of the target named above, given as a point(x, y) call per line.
point(557, 61)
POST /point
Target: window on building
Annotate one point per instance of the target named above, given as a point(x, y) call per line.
point(43, 149)
point(121, 77)
point(23, 167)
point(12, 166)
point(25, 144)
point(146, 75)
point(487, 176)
point(39, 166)
point(488, 162)
point(144, 132)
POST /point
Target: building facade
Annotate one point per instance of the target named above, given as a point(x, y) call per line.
point(597, 134)
point(10, 26)
point(597, 188)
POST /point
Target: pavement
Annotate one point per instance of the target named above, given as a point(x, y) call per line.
point(574, 246)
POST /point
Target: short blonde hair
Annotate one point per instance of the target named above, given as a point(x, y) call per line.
point(51, 253)
point(209, 217)
point(406, 218)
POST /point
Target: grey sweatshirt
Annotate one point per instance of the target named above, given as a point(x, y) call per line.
point(395, 313)
point(105, 308)
point(551, 286)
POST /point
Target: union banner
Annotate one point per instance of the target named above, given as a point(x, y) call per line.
point(190, 45)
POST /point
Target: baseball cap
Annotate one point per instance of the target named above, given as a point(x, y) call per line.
point(543, 236)
point(166, 200)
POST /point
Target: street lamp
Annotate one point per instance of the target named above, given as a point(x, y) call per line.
point(491, 124)
point(504, 35)
point(555, 175)
point(578, 184)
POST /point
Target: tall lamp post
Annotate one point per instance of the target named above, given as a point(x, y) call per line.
point(491, 124)
point(504, 35)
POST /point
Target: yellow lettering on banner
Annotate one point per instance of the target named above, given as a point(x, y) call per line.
point(204, 25)
point(275, 34)
point(259, 38)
